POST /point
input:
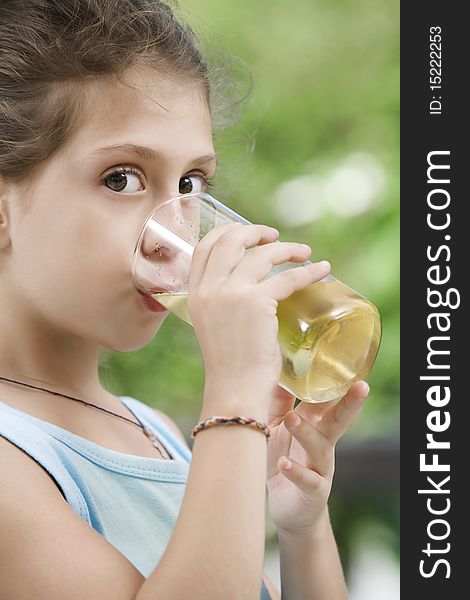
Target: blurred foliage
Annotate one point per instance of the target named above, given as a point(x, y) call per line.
point(326, 88)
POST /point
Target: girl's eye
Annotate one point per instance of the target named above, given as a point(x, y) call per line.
point(122, 178)
point(197, 182)
point(129, 180)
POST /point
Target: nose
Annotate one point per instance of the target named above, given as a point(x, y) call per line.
point(165, 252)
point(162, 242)
point(169, 232)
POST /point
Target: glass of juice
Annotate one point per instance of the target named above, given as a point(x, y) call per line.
point(329, 334)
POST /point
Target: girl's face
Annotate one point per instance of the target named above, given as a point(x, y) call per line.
point(69, 265)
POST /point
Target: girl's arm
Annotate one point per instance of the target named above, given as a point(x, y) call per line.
point(300, 474)
point(217, 546)
point(274, 593)
point(310, 565)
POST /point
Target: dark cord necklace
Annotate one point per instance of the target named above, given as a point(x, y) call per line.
point(146, 431)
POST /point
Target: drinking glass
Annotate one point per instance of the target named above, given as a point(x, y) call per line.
point(329, 334)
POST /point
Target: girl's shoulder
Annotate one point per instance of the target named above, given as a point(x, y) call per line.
point(16, 464)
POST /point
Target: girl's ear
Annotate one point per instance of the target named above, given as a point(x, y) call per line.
point(4, 221)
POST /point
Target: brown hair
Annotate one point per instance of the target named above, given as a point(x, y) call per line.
point(53, 51)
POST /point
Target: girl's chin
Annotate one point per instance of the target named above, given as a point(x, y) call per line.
point(140, 336)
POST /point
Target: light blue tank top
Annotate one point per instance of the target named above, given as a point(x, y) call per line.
point(133, 501)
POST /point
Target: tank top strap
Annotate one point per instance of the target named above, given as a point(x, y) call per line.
point(151, 419)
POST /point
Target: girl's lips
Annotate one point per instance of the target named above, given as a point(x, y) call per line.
point(151, 304)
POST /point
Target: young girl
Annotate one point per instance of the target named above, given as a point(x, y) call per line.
point(105, 111)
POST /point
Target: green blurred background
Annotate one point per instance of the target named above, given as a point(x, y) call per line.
point(315, 154)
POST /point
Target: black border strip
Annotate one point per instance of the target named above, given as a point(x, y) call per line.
point(433, 129)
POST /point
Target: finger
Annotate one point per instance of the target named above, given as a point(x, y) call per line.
point(279, 445)
point(259, 261)
point(306, 480)
point(318, 448)
point(202, 251)
point(284, 284)
point(230, 248)
point(313, 412)
point(337, 420)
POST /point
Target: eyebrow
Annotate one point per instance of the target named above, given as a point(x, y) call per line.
point(148, 153)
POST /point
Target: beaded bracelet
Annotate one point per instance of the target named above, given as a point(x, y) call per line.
point(211, 421)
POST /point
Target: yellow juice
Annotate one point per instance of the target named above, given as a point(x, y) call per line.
point(328, 334)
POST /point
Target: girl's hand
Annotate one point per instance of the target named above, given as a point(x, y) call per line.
point(298, 495)
point(233, 307)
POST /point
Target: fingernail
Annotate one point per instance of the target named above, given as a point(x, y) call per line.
point(286, 464)
point(365, 387)
point(324, 264)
